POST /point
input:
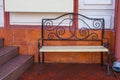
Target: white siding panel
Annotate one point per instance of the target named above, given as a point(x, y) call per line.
point(1, 14)
point(1, 18)
point(32, 18)
point(99, 9)
point(96, 4)
point(39, 5)
point(107, 18)
point(108, 15)
point(1, 3)
point(102, 2)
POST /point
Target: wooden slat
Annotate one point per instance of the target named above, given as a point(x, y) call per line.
point(73, 49)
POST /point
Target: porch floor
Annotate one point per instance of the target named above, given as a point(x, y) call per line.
point(68, 71)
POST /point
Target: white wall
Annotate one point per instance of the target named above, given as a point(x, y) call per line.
point(91, 8)
point(33, 12)
point(1, 14)
point(39, 5)
point(99, 9)
point(26, 18)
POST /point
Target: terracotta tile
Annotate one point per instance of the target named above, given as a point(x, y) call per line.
point(20, 36)
point(1, 33)
point(33, 36)
point(69, 57)
point(8, 36)
point(23, 49)
point(33, 50)
point(27, 39)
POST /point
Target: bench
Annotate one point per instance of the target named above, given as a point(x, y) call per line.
point(65, 28)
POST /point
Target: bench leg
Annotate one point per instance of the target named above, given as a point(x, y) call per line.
point(38, 62)
point(108, 64)
point(43, 57)
point(101, 58)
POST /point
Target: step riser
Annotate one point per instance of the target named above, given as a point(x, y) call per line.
point(19, 71)
point(1, 43)
point(12, 65)
point(8, 56)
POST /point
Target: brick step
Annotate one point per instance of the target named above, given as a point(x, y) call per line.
point(13, 69)
point(7, 53)
point(1, 42)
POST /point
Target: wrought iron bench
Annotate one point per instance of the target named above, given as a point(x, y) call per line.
point(65, 28)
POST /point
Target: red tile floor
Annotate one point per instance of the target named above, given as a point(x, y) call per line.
point(68, 71)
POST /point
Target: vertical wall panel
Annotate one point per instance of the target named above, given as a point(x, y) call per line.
point(96, 4)
point(39, 5)
point(99, 9)
point(108, 2)
point(1, 14)
point(26, 18)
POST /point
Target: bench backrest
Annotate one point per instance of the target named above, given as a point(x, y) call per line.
point(74, 27)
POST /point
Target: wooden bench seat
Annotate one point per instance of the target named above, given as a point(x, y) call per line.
point(73, 49)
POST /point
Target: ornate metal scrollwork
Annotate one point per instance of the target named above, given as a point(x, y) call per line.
point(51, 35)
point(94, 36)
point(84, 31)
point(97, 24)
point(60, 31)
point(48, 25)
point(53, 30)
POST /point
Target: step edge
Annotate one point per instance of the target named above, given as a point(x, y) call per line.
point(9, 51)
point(14, 69)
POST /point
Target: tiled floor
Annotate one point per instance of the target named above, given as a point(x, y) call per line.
point(71, 71)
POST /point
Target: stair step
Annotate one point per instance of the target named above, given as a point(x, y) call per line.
point(13, 69)
point(1, 42)
point(7, 53)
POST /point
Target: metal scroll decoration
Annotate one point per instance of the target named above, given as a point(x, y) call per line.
point(97, 24)
point(55, 29)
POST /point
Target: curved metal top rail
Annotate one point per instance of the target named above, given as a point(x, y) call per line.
point(74, 15)
point(73, 26)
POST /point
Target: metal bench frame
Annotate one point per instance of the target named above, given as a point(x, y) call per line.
point(52, 31)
